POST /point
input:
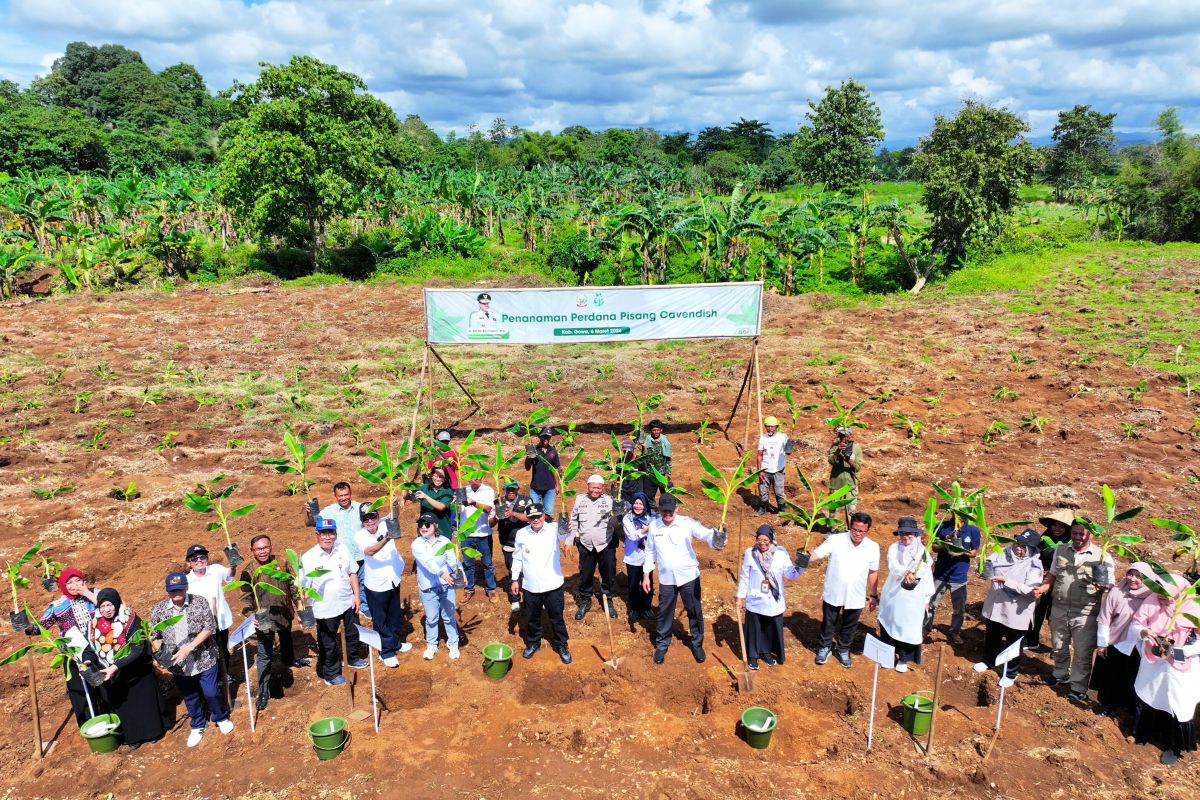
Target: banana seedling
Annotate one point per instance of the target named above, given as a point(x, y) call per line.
point(297, 463)
point(50, 571)
point(1110, 539)
point(644, 406)
point(794, 409)
point(18, 618)
point(528, 429)
point(262, 618)
point(990, 541)
point(721, 490)
point(563, 480)
point(65, 654)
point(491, 467)
point(614, 468)
point(443, 455)
point(391, 473)
point(1168, 644)
point(210, 499)
point(842, 417)
point(1186, 536)
point(817, 514)
point(145, 633)
point(308, 618)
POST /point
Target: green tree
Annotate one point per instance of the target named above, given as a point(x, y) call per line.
point(307, 138)
point(972, 166)
point(34, 137)
point(838, 147)
point(1083, 149)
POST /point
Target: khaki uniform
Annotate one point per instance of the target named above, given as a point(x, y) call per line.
point(840, 474)
point(1073, 615)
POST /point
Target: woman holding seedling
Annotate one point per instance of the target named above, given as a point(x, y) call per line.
point(1116, 641)
point(760, 593)
point(636, 525)
point(1016, 571)
point(436, 497)
point(130, 682)
point(72, 611)
point(1168, 680)
point(907, 589)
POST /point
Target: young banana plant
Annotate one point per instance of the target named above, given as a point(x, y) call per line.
point(1189, 542)
point(307, 617)
point(19, 618)
point(297, 462)
point(819, 511)
point(210, 498)
point(271, 570)
point(493, 467)
point(390, 472)
point(563, 479)
point(720, 489)
point(1110, 539)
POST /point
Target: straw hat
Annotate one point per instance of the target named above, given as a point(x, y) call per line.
point(1063, 515)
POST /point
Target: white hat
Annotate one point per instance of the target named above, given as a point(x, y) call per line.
point(595, 479)
point(444, 436)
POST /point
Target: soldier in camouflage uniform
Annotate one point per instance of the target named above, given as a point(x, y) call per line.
point(657, 455)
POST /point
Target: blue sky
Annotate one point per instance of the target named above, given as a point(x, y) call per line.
point(668, 64)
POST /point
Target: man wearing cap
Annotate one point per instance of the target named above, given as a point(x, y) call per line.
point(347, 516)
point(772, 460)
point(191, 645)
point(1074, 617)
point(591, 526)
point(845, 463)
point(669, 550)
point(633, 474)
point(447, 458)
point(339, 603)
point(851, 582)
point(657, 450)
point(509, 517)
point(208, 581)
point(543, 485)
point(1057, 531)
point(956, 543)
point(383, 567)
point(484, 319)
point(279, 602)
point(480, 500)
point(538, 575)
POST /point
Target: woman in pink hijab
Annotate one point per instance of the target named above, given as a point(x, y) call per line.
point(1116, 642)
point(1168, 679)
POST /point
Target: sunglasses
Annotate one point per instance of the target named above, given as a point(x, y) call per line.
point(198, 558)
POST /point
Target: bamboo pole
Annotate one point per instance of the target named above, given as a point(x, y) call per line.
point(429, 402)
point(346, 666)
point(412, 430)
point(937, 685)
point(37, 714)
point(758, 384)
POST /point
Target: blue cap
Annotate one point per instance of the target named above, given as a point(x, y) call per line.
point(176, 581)
point(323, 524)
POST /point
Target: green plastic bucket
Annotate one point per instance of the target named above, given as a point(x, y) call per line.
point(328, 733)
point(918, 710)
point(329, 753)
point(103, 733)
point(497, 660)
point(758, 723)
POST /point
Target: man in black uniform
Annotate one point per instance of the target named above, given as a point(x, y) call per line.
point(509, 514)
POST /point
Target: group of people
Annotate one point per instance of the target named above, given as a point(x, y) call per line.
point(355, 569)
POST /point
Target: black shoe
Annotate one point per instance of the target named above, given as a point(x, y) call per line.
point(1039, 648)
point(843, 657)
point(770, 659)
point(529, 651)
point(583, 609)
point(752, 664)
point(300, 662)
point(612, 610)
point(136, 745)
point(660, 655)
point(1168, 757)
point(565, 655)
point(698, 654)
point(262, 701)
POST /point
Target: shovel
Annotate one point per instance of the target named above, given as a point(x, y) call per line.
point(613, 661)
point(745, 677)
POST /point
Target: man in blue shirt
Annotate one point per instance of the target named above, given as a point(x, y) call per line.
point(955, 543)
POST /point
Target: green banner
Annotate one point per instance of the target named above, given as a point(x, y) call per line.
point(608, 314)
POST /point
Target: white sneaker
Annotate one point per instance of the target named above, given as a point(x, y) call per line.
point(195, 736)
point(902, 667)
point(980, 666)
point(515, 606)
point(430, 652)
point(225, 726)
point(1007, 682)
point(391, 662)
point(454, 654)
point(404, 648)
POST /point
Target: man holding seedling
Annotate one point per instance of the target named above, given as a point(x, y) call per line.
point(956, 543)
point(1057, 531)
point(383, 568)
point(658, 457)
point(851, 582)
point(1073, 617)
point(280, 609)
point(339, 603)
point(669, 550)
point(845, 463)
point(480, 498)
point(590, 524)
point(772, 460)
point(543, 485)
point(347, 516)
point(536, 557)
point(509, 515)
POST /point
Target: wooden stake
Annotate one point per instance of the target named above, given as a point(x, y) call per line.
point(758, 384)
point(937, 685)
point(429, 402)
point(412, 431)
point(37, 714)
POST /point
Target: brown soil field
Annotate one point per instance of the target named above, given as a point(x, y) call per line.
point(583, 730)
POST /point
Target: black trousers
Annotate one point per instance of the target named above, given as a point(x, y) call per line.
point(1040, 613)
point(552, 601)
point(764, 634)
point(386, 618)
point(329, 643)
point(1113, 678)
point(846, 629)
point(689, 593)
point(264, 654)
point(905, 653)
point(996, 637)
point(639, 599)
point(588, 560)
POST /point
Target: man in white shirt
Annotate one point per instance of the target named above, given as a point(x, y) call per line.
point(852, 576)
point(482, 498)
point(382, 568)
point(483, 319)
point(772, 460)
point(346, 514)
point(669, 550)
point(537, 574)
point(338, 605)
point(208, 581)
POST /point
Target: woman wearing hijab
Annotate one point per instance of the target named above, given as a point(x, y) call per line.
point(130, 683)
point(72, 613)
point(1009, 605)
point(637, 524)
point(1116, 642)
point(760, 592)
point(1168, 681)
point(905, 594)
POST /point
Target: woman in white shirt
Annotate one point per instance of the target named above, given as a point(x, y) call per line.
point(760, 592)
point(637, 525)
point(906, 592)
